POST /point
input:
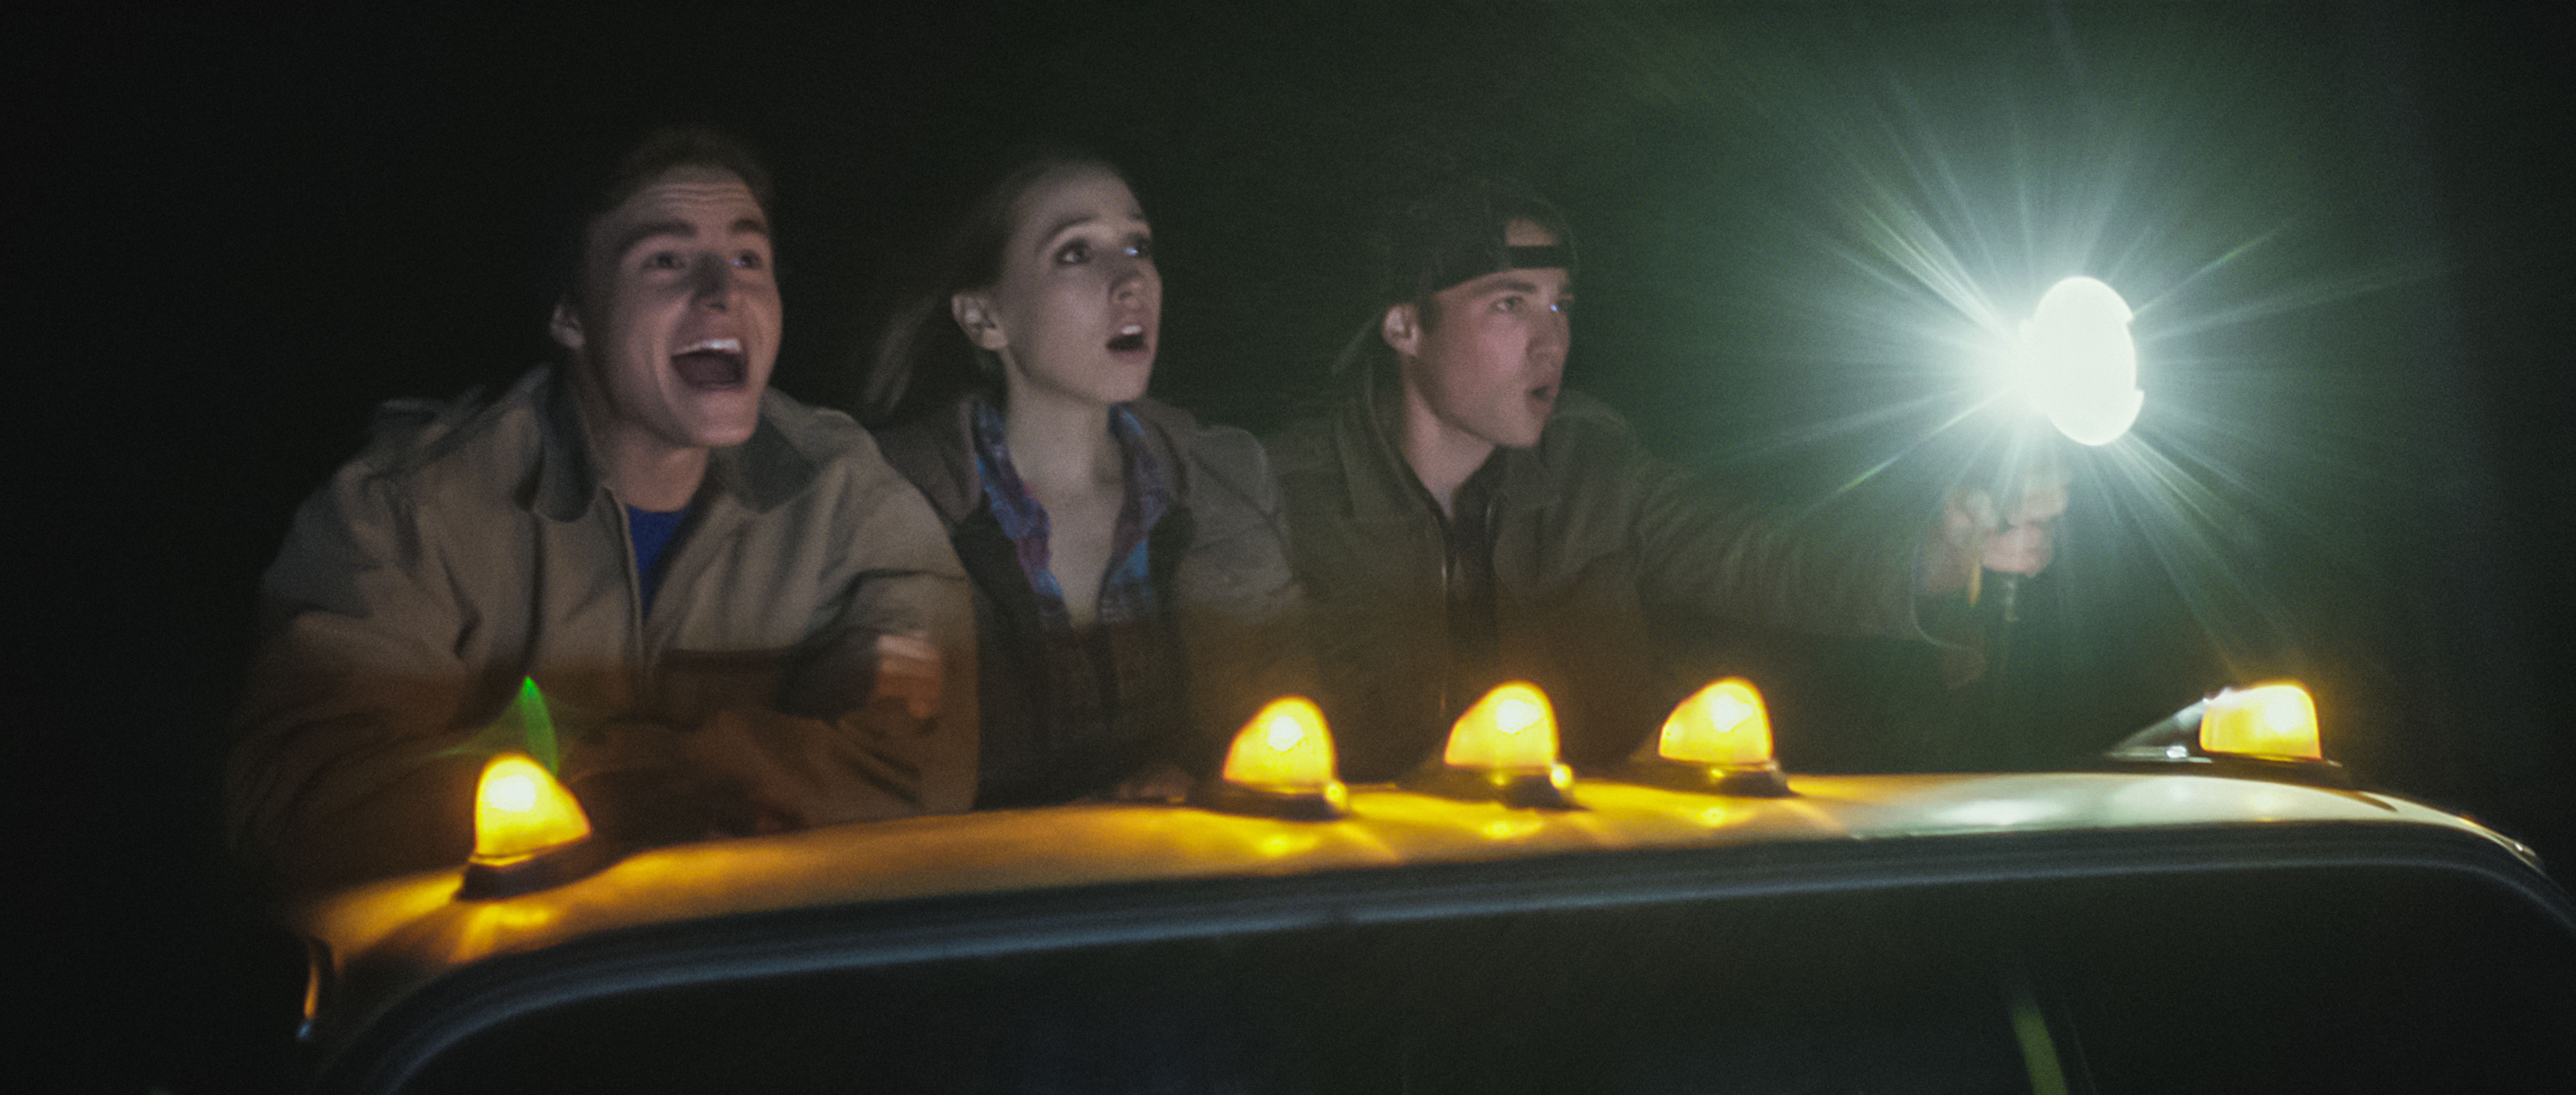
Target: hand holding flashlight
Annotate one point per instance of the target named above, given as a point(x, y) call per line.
point(2018, 543)
point(1976, 536)
point(2074, 363)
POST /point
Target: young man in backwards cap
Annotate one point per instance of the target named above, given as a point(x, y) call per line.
point(1462, 520)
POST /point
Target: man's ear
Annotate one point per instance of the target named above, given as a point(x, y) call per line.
point(565, 326)
point(1402, 329)
point(974, 314)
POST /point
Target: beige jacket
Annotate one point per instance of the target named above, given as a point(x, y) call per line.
point(471, 545)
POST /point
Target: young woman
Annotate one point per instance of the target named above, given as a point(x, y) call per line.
point(1133, 600)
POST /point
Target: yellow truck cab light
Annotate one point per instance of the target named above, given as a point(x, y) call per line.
point(1718, 740)
point(2278, 721)
point(529, 833)
point(520, 811)
point(2269, 731)
point(1281, 765)
point(1502, 750)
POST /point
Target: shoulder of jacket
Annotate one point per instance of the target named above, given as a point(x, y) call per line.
point(1302, 447)
point(416, 440)
point(918, 440)
point(842, 458)
point(1584, 424)
point(817, 432)
point(930, 450)
point(1580, 413)
point(1225, 457)
point(1583, 440)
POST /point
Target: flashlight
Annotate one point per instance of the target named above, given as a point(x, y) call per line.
point(2074, 363)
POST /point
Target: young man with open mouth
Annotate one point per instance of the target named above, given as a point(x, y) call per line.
point(1462, 520)
point(738, 616)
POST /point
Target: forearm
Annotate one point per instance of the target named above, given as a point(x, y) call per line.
point(1847, 569)
point(876, 717)
point(339, 774)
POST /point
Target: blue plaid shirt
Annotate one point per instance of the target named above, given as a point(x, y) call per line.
point(1081, 666)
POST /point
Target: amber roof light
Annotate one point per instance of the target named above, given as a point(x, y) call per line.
point(1502, 750)
point(1719, 741)
point(1281, 765)
point(2267, 730)
point(529, 832)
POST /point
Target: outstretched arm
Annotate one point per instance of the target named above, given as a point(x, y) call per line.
point(1845, 567)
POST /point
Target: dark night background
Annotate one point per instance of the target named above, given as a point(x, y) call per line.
point(254, 223)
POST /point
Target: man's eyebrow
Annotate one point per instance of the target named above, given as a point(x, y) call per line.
point(627, 240)
point(682, 229)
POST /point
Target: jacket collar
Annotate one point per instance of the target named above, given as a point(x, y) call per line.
point(1383, 487)
point(937, 452)
point(761, 473)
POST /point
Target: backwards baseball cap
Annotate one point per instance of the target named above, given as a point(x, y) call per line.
point(1455, 234)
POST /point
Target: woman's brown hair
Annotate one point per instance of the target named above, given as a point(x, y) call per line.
point(923, 360)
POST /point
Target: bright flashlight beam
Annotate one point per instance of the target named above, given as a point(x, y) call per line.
point(2076, 363)
point(1934, 182)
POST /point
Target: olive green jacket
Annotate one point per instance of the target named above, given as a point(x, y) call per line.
point(471, 544)
point(1600, 551)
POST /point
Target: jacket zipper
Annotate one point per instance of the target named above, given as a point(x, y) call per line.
point(1448, 648)
point(635, 665)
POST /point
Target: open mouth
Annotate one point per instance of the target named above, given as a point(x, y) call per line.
point(1130, 339)
point(712, 364)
